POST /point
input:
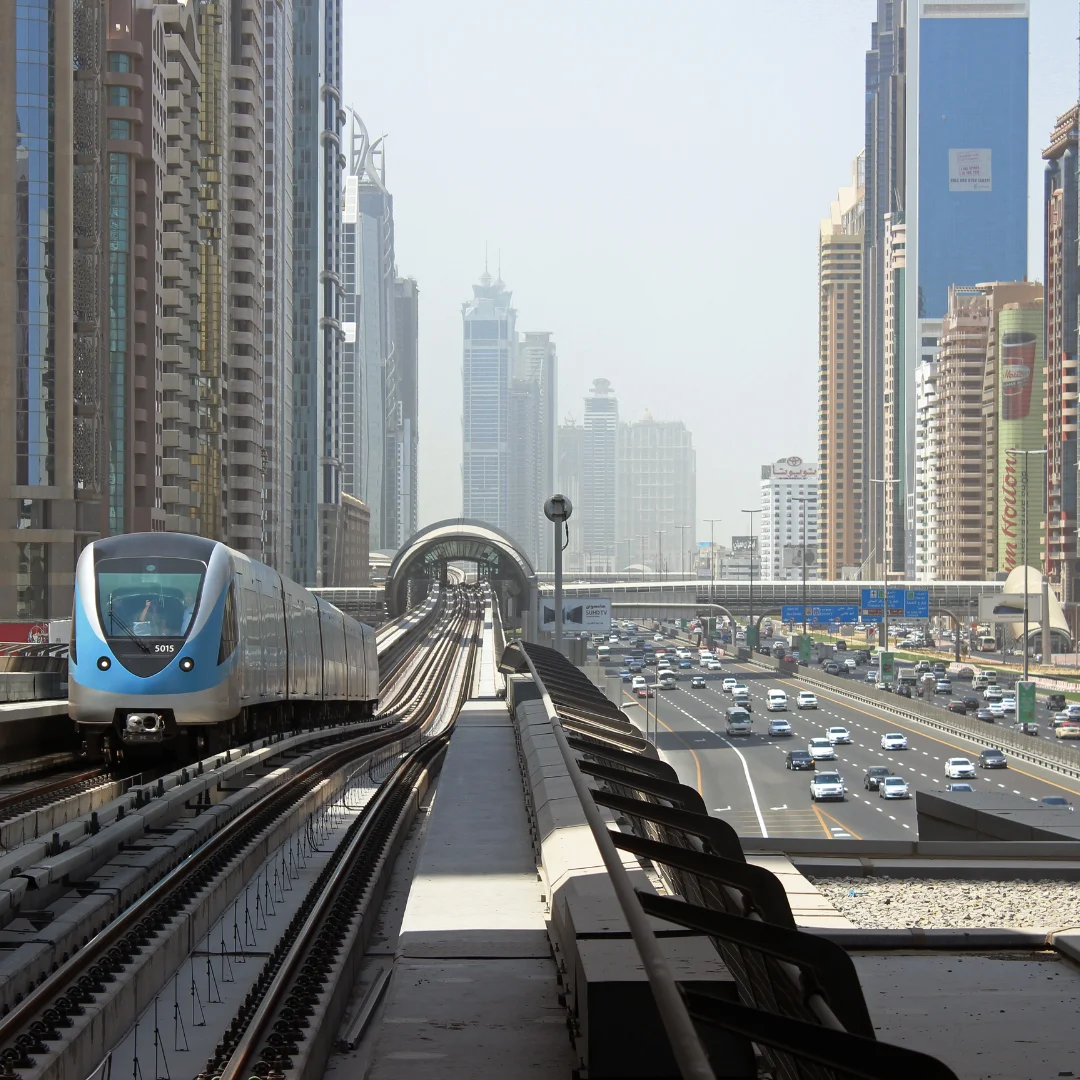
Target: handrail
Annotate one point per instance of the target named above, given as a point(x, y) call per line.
point(686, 1046)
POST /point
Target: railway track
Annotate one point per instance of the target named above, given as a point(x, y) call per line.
point(67, 1023)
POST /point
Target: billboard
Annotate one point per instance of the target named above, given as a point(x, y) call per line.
point(969, 170)
point(744, 544)
point(903, 603)
point(820, 614)
point(1020, 427)
point(578, 614)
point(798, 555)
point(791, 468)
point(1010, 608)
point(1025, 702)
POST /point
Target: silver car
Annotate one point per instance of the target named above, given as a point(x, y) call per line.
point(894, 787)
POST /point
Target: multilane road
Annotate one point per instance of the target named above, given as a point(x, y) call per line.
point(744, 777)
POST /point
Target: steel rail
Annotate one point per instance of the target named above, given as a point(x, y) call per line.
point(372, 831)
point(165, 897)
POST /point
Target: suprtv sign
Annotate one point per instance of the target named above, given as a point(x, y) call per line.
point(592, 614)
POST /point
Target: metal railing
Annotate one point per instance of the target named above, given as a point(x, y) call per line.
point(800, 1000)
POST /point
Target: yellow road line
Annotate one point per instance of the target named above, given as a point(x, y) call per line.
point(693, 752)
point(824, 813)
point(821, 820)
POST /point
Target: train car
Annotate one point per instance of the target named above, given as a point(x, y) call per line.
point(180, 638)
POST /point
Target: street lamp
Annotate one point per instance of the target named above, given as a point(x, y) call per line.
point(712, 562)
point(642, 538)
point(884, 559)
point(682, 545)
point(557, 510)
point(804, 499)
point(751, 637)
point(660, 554)
point(1024, 497)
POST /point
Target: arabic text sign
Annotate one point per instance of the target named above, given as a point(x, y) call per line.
point(820, 614)
point(903, 603)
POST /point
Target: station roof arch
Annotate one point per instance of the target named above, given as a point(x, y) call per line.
point(459, 540)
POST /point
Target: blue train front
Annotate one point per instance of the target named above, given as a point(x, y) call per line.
point(179, 637)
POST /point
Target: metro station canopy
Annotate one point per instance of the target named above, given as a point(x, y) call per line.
point(496, 555)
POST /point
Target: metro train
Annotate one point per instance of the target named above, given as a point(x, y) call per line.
point(177, 638)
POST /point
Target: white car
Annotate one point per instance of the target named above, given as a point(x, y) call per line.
point(893, 740)
point(658, 637)
point(711, 665)
point(958, 767)
point(807, 700)
point(996, 707)
point(894, 787)
point(740, 690)
point(837, 735)
point(850, 663)
point(728, 685)
point(776, 701)
point(1008, 704)
point(872, 675)
point(993, 693)
point(637, 682)
point(827, 785)
point(821, 750)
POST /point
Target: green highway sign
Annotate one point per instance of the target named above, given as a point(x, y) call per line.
point(806, 645)
point(1025, 702)
point(887, 666)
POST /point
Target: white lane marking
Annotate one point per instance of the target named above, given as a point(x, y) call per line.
point(720, 809)
point(784, 807)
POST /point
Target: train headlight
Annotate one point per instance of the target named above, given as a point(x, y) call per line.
point(187, 664)
point(143, 722)
point(104, 663)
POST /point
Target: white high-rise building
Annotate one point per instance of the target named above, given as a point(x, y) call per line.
point(490, 336)
point(783, 541)
point(599, 457)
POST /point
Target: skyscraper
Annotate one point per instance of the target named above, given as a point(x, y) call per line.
point(318, 157)
point(789, 526)
point(53, 278)
point(370, 429)
point(531, 440)
point(656, 482)
point(407, 355)
point(569, 449)
point(490, 335)
point(842, 426)
point(599, 470)
point(1061, 276)
point(278, 373)
point(946, 145)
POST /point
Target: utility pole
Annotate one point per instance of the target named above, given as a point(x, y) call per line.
point(884, 559)
point(557, 510)
point(712, 563)
point(751, 637)
point(1024, 497)
point(804, 499)
point(682, 545)
point(660, 552)
point(642, 539)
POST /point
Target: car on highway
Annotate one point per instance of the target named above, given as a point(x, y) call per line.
point(943, 686)
point(711, 665)
point(1070, 730)
point(638, 680)
point(740, 690)
point(832, 668)
point(1070, 712)
point(959, 787)
point(972, 704)
point(1059, 719)
point(874, 775)
point(685, 662)
point(939, 669)
point(851, 663)
point(776, 701)
point(635, 665)
point(646, 691)
point(806, 700)
point(779, 727)
point(821, 750)
point(728, 685)
point(992, 759)
point(996, 708)
point(1026, 727)
point(658, 637)
point(666, 680)
point(893, 740)
point(993, 693)
point(894, 787)
point(922, 666)
point(741, 697)
point(872, 675)
point(827, 785)
point(626, 674)
point(1056, 802)
point(738, 721)
point(956, 706)
point(799, 759)
point(1008, 704)
point(986, 715)
point(697, 682)
point(838, 734)
point(1055, 702)
point(958, 767)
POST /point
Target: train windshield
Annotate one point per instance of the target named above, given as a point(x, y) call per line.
point(148, 597)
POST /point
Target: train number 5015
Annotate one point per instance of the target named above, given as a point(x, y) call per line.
point(164, 648)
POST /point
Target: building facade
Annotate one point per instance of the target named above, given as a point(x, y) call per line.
point(278, 371)
point(1061, 277)
point(318, 165)
point(842, 421)
point(53, 299)
point(927, 455)
point(656, 484)
point(569, 451)
point(490, 335)
point(599, 471)
point(789, 520)
point(531, 444)
point(407, 356)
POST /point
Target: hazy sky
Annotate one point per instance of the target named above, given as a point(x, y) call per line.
point(654, 177)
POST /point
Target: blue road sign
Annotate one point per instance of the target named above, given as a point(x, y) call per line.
point(903, 603)
point(820, 614)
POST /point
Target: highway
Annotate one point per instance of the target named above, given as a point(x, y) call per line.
point(745, 779)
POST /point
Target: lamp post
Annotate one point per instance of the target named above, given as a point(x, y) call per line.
point(642, 538)
point(712, 562)
point(557, 510)
point(660, 555)
point(751, 637)
point(804, 499)
point(682, 545)
point(1024, 497)
point(884, 558)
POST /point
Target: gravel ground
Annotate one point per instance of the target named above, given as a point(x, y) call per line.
point(892, 903)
